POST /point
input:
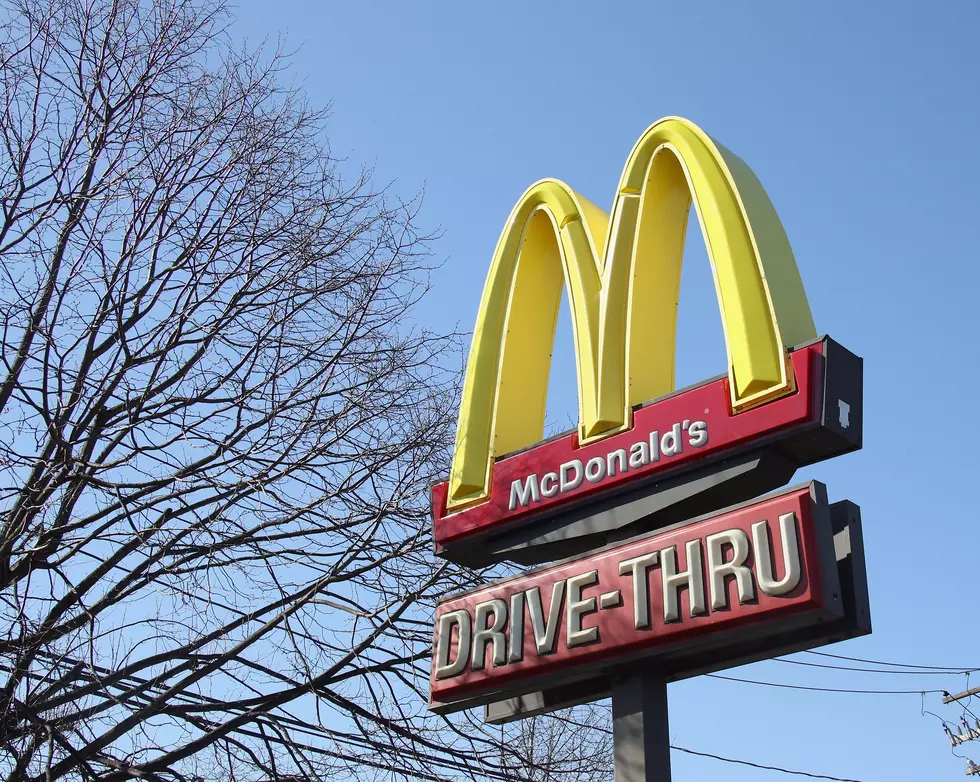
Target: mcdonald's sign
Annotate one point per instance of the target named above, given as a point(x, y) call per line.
point(789, 397)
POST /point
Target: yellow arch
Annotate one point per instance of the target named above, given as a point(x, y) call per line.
point(623, 278)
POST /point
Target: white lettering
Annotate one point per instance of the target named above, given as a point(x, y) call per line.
point(515, 648)
point(792, 570)
point(718, 568)
point(545, 634)
point(568, 484)
point(692, 578)
point(616, 462)
point(572, 473)
point(526, 493)
point(595, 469)
point(485, 633)
point(576, 608)
point(549, 484)
point(654, 446)
point(444, 666)
point(698, 434)
point(637, 567)
point(639, 455)
point(670, 443)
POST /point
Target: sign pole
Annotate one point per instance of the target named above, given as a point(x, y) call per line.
point(665, 484)
point(641, 739)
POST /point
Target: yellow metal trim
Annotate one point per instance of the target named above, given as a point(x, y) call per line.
point(622, 276)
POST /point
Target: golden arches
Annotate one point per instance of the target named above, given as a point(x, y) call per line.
point(622, 276)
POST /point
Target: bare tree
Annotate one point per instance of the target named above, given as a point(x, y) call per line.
point(218, 421)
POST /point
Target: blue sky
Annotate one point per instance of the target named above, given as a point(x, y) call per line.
point(860, 120)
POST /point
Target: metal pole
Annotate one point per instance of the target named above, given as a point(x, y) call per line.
point(641, 741)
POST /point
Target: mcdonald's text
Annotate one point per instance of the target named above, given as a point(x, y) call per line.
point(639, 454)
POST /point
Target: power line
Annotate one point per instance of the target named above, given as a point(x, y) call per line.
point(949, 668)
point(821, 689)
point(872, 670)
point(759, 765)
point(724, 759)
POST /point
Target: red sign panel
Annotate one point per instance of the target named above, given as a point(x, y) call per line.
point(736, 570)
point(689, 426)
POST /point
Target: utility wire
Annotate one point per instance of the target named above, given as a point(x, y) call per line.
point(949, 668)
point(820, 689)
point(759, 765)
point(872, 670)
point(724, 759)
point(189, 696)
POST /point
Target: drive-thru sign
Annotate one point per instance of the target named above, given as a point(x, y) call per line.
point(670, 565)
